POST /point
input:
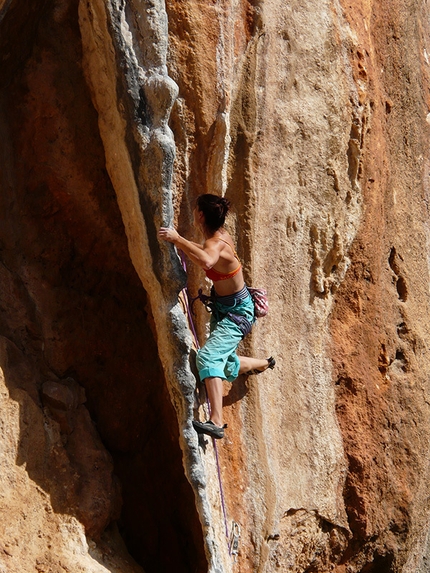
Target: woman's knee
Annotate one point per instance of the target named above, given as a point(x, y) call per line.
point(202, 359)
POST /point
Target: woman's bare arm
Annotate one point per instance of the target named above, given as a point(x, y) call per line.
point(205, 256)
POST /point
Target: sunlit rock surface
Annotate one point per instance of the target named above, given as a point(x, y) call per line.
point(312, 118)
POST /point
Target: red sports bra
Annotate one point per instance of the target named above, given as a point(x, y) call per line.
point(215, 276)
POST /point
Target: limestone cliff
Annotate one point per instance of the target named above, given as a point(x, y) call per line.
point(312, 118)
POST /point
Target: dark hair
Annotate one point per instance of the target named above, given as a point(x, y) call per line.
point(215, 210)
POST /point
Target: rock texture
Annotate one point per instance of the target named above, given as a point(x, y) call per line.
point(74, 307)
point(312, 117)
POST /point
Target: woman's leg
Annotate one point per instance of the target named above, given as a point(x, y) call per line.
point(214, 389)
point(247, 364)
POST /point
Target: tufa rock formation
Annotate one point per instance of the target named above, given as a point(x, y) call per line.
point(312, 118)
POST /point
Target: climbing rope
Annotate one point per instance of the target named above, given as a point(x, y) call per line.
point(196, 342)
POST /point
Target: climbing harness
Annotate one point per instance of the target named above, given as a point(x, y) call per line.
point(210, 303)
point(196, 341)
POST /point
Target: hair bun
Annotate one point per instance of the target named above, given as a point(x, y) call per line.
point(225, 205)
point(214, 209)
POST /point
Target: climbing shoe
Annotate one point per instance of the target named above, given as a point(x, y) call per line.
point(209, 429)
point(271, 364)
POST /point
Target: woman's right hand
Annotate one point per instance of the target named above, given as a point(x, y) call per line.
point(168, 234)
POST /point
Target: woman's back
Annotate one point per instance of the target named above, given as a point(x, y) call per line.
point(226, 274)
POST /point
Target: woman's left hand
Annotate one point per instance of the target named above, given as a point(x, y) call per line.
point(168, 234)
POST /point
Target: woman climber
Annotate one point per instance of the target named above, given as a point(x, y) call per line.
point(232, 306)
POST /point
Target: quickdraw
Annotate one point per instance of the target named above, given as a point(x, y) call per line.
point(234, 540)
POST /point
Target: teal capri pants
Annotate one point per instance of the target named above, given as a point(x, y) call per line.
point(218, 358)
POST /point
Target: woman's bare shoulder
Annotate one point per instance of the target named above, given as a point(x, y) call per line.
point(225, 237)
point(213, 242)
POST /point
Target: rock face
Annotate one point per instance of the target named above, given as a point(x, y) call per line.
point(312, 118)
